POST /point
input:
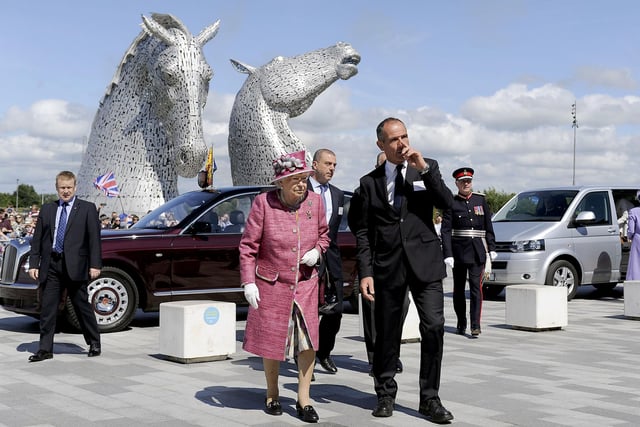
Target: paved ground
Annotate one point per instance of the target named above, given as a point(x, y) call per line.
point(585, 375)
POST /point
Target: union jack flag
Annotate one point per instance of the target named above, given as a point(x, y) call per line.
point(107, 183)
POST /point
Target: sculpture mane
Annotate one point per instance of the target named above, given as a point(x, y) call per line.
point(285, 87)
point(148, 127)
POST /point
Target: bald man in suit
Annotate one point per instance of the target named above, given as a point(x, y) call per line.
point(398, 248)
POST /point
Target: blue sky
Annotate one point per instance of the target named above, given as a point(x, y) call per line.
point(488, 84)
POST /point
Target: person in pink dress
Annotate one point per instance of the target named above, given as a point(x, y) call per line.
point(285, 234)
point(633, 235)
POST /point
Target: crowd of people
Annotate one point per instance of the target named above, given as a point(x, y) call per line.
point(14, 224)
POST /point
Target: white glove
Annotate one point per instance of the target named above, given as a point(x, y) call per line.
point(493, 255)
point(310, 258)
point(449, 261)
point(251, 294)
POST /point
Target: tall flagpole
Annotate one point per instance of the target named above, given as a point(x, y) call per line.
point(575, 127)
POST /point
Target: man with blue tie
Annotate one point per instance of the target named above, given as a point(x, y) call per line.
point(324, 166)
point(65, 255)
point(398, 248)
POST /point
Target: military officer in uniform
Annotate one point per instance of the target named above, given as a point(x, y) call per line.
point(467, 241)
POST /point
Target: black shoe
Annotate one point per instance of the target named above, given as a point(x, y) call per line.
point(461, 329)
point(328, 365)
point(94, 350)
point(384, 407)
point(399, 367)
point(40, 356)
point(273, 407)
point(434, 411)
point(475, 332)
point(307, 414)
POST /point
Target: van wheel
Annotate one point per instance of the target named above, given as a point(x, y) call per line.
point(490, 292)
point(563, 273)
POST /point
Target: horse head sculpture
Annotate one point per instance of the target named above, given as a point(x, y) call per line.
point(283, 88)
point(148, 128)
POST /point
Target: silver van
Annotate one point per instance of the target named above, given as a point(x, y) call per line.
point(565, 236)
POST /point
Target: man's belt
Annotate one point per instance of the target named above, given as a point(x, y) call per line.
point(468, 233)
point(56, 256)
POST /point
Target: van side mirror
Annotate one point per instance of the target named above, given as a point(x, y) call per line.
point(585, 217)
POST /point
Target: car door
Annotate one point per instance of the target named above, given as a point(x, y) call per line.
point(205, 263)
point(596, 243)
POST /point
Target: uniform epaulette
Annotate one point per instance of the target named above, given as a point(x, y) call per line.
point(479, 194)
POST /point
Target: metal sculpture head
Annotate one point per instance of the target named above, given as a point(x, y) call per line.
point(148, 129)
point(280, 89)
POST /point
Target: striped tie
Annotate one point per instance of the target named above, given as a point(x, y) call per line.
point(62, 225)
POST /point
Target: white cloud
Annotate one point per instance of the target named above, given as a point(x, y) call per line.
point(607, 77)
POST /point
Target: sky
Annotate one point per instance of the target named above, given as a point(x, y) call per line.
point(484, 84)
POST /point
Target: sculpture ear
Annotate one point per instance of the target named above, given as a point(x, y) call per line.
point(208, 33)
point(242, 68)
point(155, 29)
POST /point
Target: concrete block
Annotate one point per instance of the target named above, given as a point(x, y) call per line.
point(631, 289)
point(536, 307)
point(411, 327)
point(197, 331)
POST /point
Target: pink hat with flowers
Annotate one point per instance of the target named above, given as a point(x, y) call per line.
point(289, 164)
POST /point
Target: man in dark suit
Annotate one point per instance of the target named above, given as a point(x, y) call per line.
point(324, 166)
point(65, 254)
point(398, 248)
point(368, 307)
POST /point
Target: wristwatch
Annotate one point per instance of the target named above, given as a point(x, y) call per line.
point(425, 170)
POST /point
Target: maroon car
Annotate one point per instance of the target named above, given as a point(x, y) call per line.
point(184, 250)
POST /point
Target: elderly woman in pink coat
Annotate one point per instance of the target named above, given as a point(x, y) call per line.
point(285, 235)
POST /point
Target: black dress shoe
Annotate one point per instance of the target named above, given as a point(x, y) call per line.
point(384, 407)
point(94, 350)
point(328, 365)
point(434, 411)
point(40, 356)
point(461, 328)
point(399, 367)
point(307, 414)
point(273, 407)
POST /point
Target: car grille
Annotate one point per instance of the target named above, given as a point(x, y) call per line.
point(503, 246)
point(499, 265)
point(9, 264)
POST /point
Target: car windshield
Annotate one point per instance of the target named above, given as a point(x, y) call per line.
point(173, 212)
point(546, 205)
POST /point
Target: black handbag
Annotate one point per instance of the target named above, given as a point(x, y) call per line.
point(327, 298)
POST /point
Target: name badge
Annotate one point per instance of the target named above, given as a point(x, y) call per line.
point(419, 186)
point(340, 210)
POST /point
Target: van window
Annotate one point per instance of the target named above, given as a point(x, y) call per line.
point(547, 205)
point(598, 203)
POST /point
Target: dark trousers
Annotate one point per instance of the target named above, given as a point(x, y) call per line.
point(429, 300)
point(330, 323)
point(369, 324)
point(474, 272)
point(57, 281)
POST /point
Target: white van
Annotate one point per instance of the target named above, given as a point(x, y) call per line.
point(565, 236)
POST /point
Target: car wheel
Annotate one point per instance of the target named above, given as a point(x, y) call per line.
point(114, 298)
point(490, 292)
point(563, 273)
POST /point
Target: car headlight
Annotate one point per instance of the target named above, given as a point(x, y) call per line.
point(527, 245)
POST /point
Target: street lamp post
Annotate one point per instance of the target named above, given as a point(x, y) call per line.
point(575, 127)
point(17, 191)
